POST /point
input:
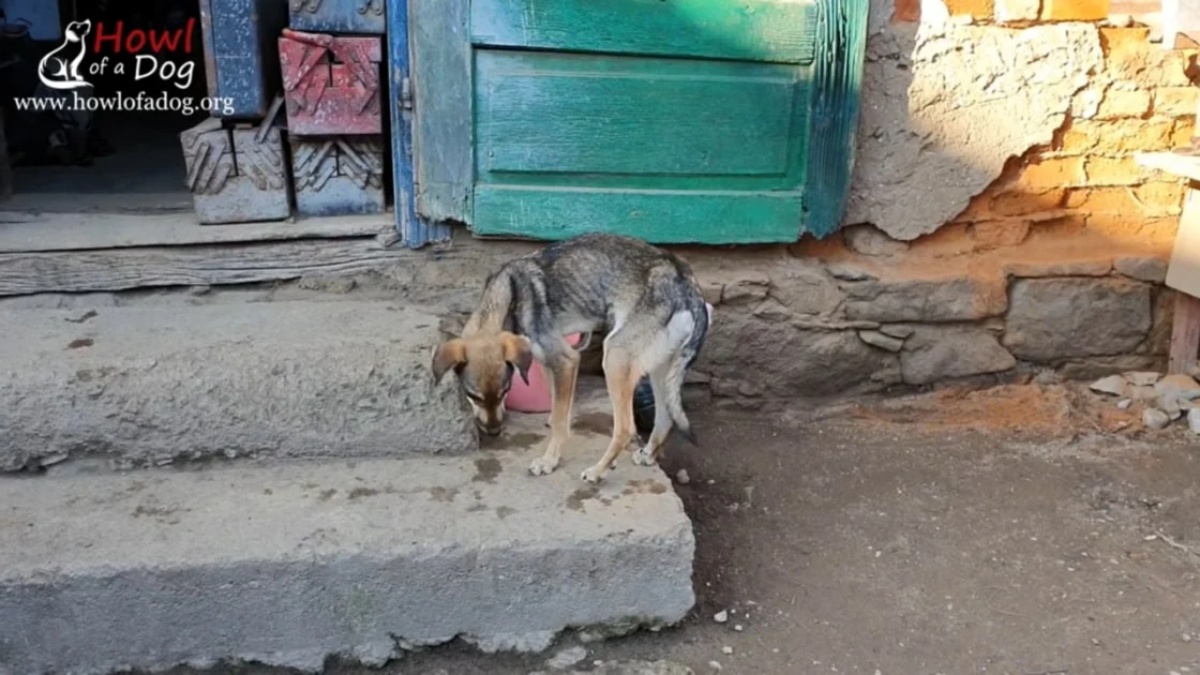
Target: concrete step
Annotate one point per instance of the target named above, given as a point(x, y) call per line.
point(152, 385)
point(286, 563)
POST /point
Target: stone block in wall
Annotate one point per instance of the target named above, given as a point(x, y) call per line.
point(794, 362)
point(1142, 268)
point(979, 9)
point(926, 300)
point(1102, 171)
point(1133, 58)
point(1117, 136)
point(1057, 319)
point(935, 353)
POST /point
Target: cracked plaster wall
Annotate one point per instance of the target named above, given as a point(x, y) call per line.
point(946, 104)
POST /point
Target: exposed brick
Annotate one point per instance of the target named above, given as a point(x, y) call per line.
point(1160, 198)
point(1102, 171)
point(1054, 172)
point(1182, 133)
point(1074, 10)
point(1118, 136)
point(980, 9)
point(1113, 38)
point(1176, 101)
point(1025, 203)
point(999, 233)
point(1134, 224)
point(1147, 65)
point(1124, 103)
point(907, 11)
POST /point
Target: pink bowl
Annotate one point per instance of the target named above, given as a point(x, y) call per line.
point(535, 396)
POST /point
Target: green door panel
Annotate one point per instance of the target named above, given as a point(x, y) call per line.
point(562, 119)
point(664, 217)
point(782, 31)
point(676, 121)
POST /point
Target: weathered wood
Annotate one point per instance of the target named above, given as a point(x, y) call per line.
point(556, 119)
point(241, 61)
point(1183, 270)
point(415, 230)
point(1180, 19)
point(1185, 334)
point(338, 175)
point(331, 83)
point(233, 177)
point(780, 31)
point(27, 233)
point(1184, 163)
point(837, 92)
point(339, 16)
point(659, 217)
point(441, 86)
point(125, 269)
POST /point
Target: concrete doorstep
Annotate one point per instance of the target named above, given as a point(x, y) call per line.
point(287, 564)
point(146, 386)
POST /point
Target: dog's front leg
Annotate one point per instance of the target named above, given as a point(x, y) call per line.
point(564, 372)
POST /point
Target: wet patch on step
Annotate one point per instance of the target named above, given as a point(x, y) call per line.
point(486, 470)
point(80, 343)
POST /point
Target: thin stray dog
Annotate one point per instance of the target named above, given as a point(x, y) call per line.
point(647, 298)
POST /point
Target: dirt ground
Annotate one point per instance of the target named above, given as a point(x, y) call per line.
point(1022, 530)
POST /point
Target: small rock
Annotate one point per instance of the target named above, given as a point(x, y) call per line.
point(738, 627)
point(847, 273)
point(721, 616)
point(682, 477)
point(1142, 393)
point(566, 658)
point(1113, 384)
point(878, 339)
point(715, 665)
point(1124, 403)
point(1179, 386)
point(1193, 417)
point(1170, 405)
point(1187, 637)
point(727, 650)
point(1142, 378)
point(1155, 419)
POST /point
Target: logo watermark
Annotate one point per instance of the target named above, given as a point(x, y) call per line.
point(141, 54)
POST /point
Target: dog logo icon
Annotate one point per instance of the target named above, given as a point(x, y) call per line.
point(60, 68)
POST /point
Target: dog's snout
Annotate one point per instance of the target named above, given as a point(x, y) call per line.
point(489, 428)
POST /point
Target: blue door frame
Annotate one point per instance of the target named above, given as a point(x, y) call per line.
point(414, 230)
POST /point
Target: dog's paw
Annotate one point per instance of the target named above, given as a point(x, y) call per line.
point(543, 467)
point(643, 457)
point(592, 475)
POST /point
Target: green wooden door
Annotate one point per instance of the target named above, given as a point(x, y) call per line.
point(705, 121)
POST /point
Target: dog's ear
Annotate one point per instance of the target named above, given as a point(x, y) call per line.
point(519, 352)
point(449, 354)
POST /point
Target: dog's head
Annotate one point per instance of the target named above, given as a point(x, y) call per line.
point(76, 30)
point(485, 365)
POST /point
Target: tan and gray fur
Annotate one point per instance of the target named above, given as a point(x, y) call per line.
point(647, 300)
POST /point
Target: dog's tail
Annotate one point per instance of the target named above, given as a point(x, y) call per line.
point(677, 370)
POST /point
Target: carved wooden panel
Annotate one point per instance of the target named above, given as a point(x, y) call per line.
point(331, 84)
point(339, 16)
point(338, 175)
point(235, 175)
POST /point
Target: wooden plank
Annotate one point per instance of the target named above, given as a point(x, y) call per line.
point(1183, 163)
point(83, 231)
point(414, 230)
point(562, 116)
point(1183, 270)
point(443, 133)
point(1180, 18)
point(838, 74)
point(661, 217)
point(1185, 334)
point(125, 269)
point(781, 31)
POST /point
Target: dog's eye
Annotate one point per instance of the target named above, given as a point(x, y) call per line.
point(475, 397)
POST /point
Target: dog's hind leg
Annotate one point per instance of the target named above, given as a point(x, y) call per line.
point(563, 366)
point(648, 454)
point(621, 373)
